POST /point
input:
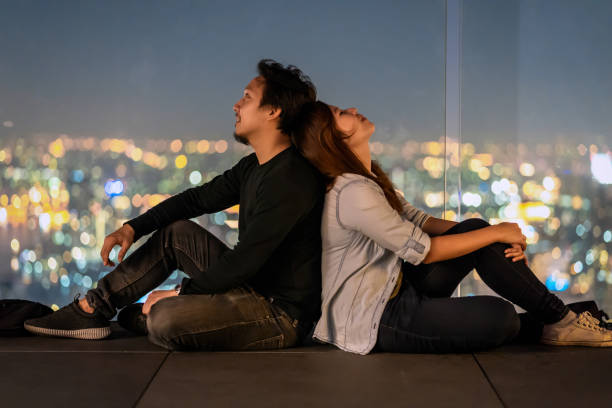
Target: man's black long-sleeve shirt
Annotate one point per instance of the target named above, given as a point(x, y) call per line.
point(279, 240)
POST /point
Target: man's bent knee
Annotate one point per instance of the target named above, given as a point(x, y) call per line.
point(180, 226)
point(161, 325)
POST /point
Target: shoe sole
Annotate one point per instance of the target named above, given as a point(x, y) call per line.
point(577, 343)
point(85, 334)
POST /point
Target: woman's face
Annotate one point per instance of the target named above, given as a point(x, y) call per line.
point(353, 124)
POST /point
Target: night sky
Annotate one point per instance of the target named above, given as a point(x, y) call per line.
point(173, 69)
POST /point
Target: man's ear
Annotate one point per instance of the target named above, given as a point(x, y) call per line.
point(274, 113)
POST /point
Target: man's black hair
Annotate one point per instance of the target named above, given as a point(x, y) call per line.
point(286, 88)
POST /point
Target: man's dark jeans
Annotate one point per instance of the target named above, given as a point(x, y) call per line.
point(239, 319)
point(423, 318)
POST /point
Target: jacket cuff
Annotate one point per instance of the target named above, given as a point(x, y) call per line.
point(416, 251)
point(424, 220)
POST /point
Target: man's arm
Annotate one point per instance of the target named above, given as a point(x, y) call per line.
point(218, 194)
point(280, 205)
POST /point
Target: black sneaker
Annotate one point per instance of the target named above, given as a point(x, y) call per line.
point(70, 321)
point(132, 319)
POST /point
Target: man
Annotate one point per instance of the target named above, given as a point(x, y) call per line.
point(262, 294)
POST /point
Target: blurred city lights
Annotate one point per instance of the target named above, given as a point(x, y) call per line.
point(60, 191)
point(113, 188)
point(601, 167)
point(195, 177)
point(527, 169)
point(471, 199)
point(180, 161)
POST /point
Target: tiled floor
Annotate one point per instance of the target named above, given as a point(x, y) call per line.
point(127, 371)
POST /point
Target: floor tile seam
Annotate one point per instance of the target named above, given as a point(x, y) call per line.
point(164, 351)
point(85, 351)
point(144, 391)
point(254, 352)
point(489, 381)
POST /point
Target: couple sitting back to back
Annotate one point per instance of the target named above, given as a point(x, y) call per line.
point(325, 241)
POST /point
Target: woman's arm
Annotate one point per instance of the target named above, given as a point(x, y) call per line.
point(362, 207)
point(436, 226)
point(452, 246)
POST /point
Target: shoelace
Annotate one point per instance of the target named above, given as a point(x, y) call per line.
point(587, 320)
point(600, 314)
point(604, 319)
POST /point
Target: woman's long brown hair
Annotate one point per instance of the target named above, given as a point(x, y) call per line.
point(319, 140)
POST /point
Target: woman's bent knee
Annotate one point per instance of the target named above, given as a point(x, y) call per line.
point(473, 224)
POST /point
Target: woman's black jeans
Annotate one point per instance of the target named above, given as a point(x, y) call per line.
point(423, 318)
point(239, 319)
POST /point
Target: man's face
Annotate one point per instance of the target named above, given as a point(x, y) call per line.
point(249, 116)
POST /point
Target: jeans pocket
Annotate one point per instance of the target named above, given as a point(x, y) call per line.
point(271, 343)
point(286, 326)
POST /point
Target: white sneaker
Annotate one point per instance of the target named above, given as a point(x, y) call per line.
point(577, 330)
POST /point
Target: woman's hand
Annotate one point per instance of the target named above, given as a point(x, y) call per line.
point(517, 253)
point(510, 233)
point(156, 296)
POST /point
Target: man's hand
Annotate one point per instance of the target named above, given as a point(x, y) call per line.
point(124, 237)
point(517, 253)
point(154, 297)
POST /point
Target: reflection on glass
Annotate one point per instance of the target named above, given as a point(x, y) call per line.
point(102, 124)
point(536, 137)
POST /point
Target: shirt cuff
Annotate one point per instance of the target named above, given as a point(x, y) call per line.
point(135, 226)
point(187, 288)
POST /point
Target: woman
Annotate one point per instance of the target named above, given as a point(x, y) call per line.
point(389, 269)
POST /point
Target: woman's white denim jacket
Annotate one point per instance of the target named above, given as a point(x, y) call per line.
point(364, 242)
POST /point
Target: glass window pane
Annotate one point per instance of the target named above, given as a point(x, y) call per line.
point(109, 107)
point(536, 134)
